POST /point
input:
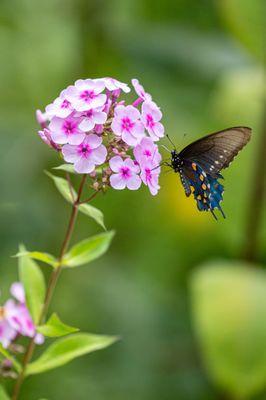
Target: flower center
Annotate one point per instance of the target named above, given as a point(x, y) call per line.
point(150, 121)
point(65, 104)
point(125, 172)
point(84, 150)
point(87, 95)
point(148, 174)
point(147, 153)
point(69, 127)
point(127, 124)
point(89, 113)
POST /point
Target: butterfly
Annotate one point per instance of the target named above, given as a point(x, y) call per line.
point(199, 165)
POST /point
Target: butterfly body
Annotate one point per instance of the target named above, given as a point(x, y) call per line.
point(199, 165)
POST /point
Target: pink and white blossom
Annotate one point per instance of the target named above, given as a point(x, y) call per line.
point(150, 176)
point(86, 155)
point(125, 174)
point(113, 84)
point(92, 117)
point(66, 130)
point(127, 124)
point(147, 151)
point(61, 107)
point(91, 111)
point(45, 135)
point(151, 115)
point(15, 318)
point(7, 333)
point(86, 94)
point(139, 89)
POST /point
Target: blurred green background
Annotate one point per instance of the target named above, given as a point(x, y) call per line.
point(188, 332)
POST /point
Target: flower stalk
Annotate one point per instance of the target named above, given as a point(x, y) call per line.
point(51, 287)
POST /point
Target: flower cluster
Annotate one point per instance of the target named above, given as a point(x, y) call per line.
point(15, 318)
point(95, 130)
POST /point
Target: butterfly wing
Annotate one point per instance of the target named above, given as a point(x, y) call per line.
point(203, 160)
point(216, 151)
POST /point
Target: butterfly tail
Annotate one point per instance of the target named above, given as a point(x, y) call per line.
point(216, 194)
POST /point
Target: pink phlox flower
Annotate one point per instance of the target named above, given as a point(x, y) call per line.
point(66, 130)
point(92, 117)
point(150, 172)
point(7, 332)
point(113, 84)
point(151, 115)
point(45, 135)
point(18, 292)
point(126, 174)
point(15, 318)
point(19, 318)
point(86, 94)
point(127, 124)
point(139, 89)
point(147, 151)
point(61, 107)
point(86, 155)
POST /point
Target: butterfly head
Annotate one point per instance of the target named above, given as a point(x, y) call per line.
point(176, 161)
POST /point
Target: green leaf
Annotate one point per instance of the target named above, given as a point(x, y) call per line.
point(54, 327)
point(66, 167)
point(33, 281)
point(93, 212)
point(67, 349)
point(63, 187)
point(7, 355)
point(88, 250)
point(3, 394)
point(37, 255)
point(229, 310)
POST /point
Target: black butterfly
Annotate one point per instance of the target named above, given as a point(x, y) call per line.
point(199, 165)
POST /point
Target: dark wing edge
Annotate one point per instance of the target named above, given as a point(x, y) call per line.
point(224, 145)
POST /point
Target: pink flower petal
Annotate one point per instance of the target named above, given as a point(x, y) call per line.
point(116, 163)
point(93, 140)
point(98, 156)
point(76, 138)
point(84, 166)
point(39, 338)
point(87, 124)
point(131, 112)
point(138, 129)
point(130, 139)
point(149, 107)
point(117, 182)
point(116, 127)
point(100, 117)
point(17, 291)
point(130, 163)
point(134, 182)
point(70, 153)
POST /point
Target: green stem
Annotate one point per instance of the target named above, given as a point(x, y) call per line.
point(50, 288)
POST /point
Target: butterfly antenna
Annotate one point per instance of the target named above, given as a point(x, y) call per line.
point(170, 140)
point(159, 165)
point(166, 148)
